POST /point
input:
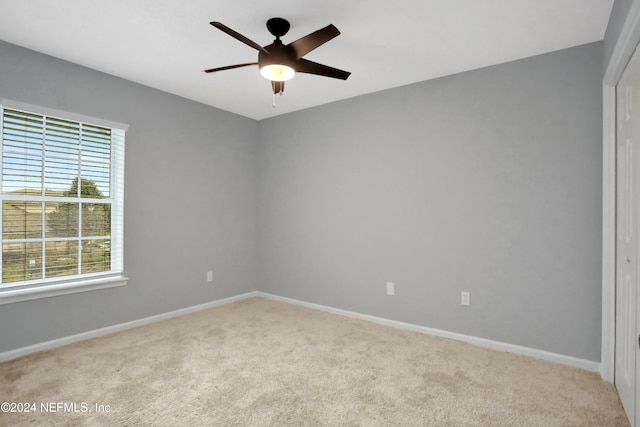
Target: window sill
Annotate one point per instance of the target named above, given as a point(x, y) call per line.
point(9, 296)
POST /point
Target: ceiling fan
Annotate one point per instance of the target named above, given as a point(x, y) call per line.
point(279, 62)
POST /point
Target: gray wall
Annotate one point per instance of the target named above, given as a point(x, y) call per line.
point(190, 199)
point(618, 15)
point(487, 181)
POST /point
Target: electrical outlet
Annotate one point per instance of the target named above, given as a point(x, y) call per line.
point(209, 276)
point(391, 288)
point(465, 298)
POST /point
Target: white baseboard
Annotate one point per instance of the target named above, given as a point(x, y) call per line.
point(496, 345)
point(12, 354)
point(482, 342)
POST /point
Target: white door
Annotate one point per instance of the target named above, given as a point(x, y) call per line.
point(628, 188)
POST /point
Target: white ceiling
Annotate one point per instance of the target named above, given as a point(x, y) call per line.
point(166, 44)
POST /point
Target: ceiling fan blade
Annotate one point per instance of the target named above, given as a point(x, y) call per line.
point(278, 87)
point(306, 44)
point(229, 67)
point(238, 36)
point(310, 67)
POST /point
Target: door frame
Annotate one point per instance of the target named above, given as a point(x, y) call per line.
point(624, 48)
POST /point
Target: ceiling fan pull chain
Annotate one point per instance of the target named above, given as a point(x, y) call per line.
point(273, 104)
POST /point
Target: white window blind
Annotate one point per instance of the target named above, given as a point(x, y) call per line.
point(62, 188)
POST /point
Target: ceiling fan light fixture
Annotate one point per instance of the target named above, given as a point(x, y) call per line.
point(277, 72)
point(279, 62)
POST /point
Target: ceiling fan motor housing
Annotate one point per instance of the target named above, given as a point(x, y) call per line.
point(278, 54)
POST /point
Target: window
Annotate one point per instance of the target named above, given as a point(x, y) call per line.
point(61, 184)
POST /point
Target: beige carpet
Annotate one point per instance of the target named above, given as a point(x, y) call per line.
point(265, 363)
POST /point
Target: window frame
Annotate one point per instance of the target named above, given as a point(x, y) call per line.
point(49, 287)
